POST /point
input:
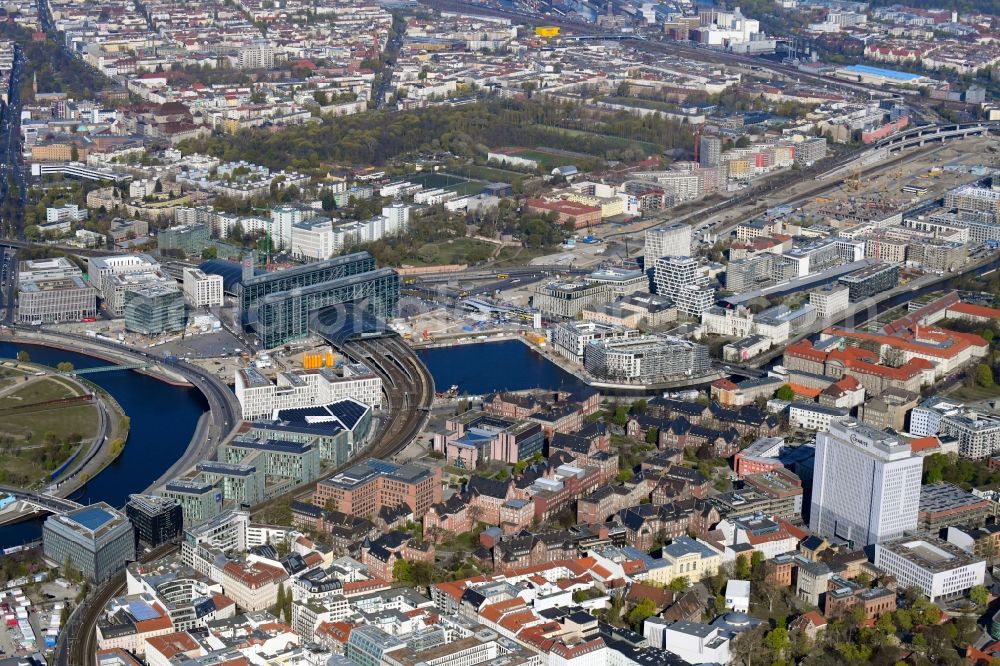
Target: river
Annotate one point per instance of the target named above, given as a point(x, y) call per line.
point(162, 420)
point(481, 368)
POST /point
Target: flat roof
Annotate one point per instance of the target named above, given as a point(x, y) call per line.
point(886, 73)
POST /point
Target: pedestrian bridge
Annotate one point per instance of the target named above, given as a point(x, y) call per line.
point(42, 501)
point(109, 368)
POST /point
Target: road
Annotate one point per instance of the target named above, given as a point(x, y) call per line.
point(224, 415)
point(11, 161)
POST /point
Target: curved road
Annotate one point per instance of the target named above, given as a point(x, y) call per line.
point(222, 419)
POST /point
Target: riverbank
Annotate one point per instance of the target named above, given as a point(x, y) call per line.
point(125, 356)
point(163, 418)
point(56, 413)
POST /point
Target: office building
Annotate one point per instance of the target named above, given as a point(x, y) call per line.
point(154, 309)
point(338, 429)
point(925, 418)
point(99, 269)
point(866, 282)
point(830, 300)
point(116, 286)
point(278, 306)
point(570, 338)
point(240, 484)
point(621, 281)
point(645, 359)
point(671, 240)
point(313, 238)
point(155, 519)
point(97, 540)
point(978, 434)
point(226, 532)
point(569, 299)
point(291, 460)
point(364, 488)
point(188, 239)
point(199, 500)
point(65, 213)
point(53, 290)
point(202, 290)
point(685, 282)
point(944, 505)
point(866, 485)
point(940, 569)
point(260, 398)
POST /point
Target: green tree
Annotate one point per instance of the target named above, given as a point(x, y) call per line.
point(210, 253)
point(785, 393)
point(679, 584)
point(625, 475)
point(987, 334)
point(979, 595)
point(620, 417)
point(984, 375)
point(741, 568)
point(65, 366)
point(777, 641)
point(653, 436)
point(279, 603)
point(402, 571)
point(885, 625)
point(23, 357)
point(644, 609)
point(904, 620)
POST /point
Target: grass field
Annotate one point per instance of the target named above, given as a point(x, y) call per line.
point(493, 174)
point(35, 438)
point(61, 423)
point(548, 161)
point(455, 251)
point(49, 388)
point(457, 184)
point(974, 393)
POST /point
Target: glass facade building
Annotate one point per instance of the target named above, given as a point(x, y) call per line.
point(278, 306)
point(156, 519)
point(154, 309)
point(97, 540)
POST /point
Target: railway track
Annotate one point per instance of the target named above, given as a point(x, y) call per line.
point(409, 393)
point(77, 645)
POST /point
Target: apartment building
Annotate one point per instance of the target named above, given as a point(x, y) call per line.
point(364, 488)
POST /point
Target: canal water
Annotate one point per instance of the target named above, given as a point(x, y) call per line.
point(162, 420)
point(481, 368)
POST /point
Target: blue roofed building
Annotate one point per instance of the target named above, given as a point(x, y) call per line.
point(97, 540)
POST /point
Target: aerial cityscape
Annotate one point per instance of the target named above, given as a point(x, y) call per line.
point(499, 333)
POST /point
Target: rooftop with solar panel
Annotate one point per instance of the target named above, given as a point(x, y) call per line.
point(93, 519)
